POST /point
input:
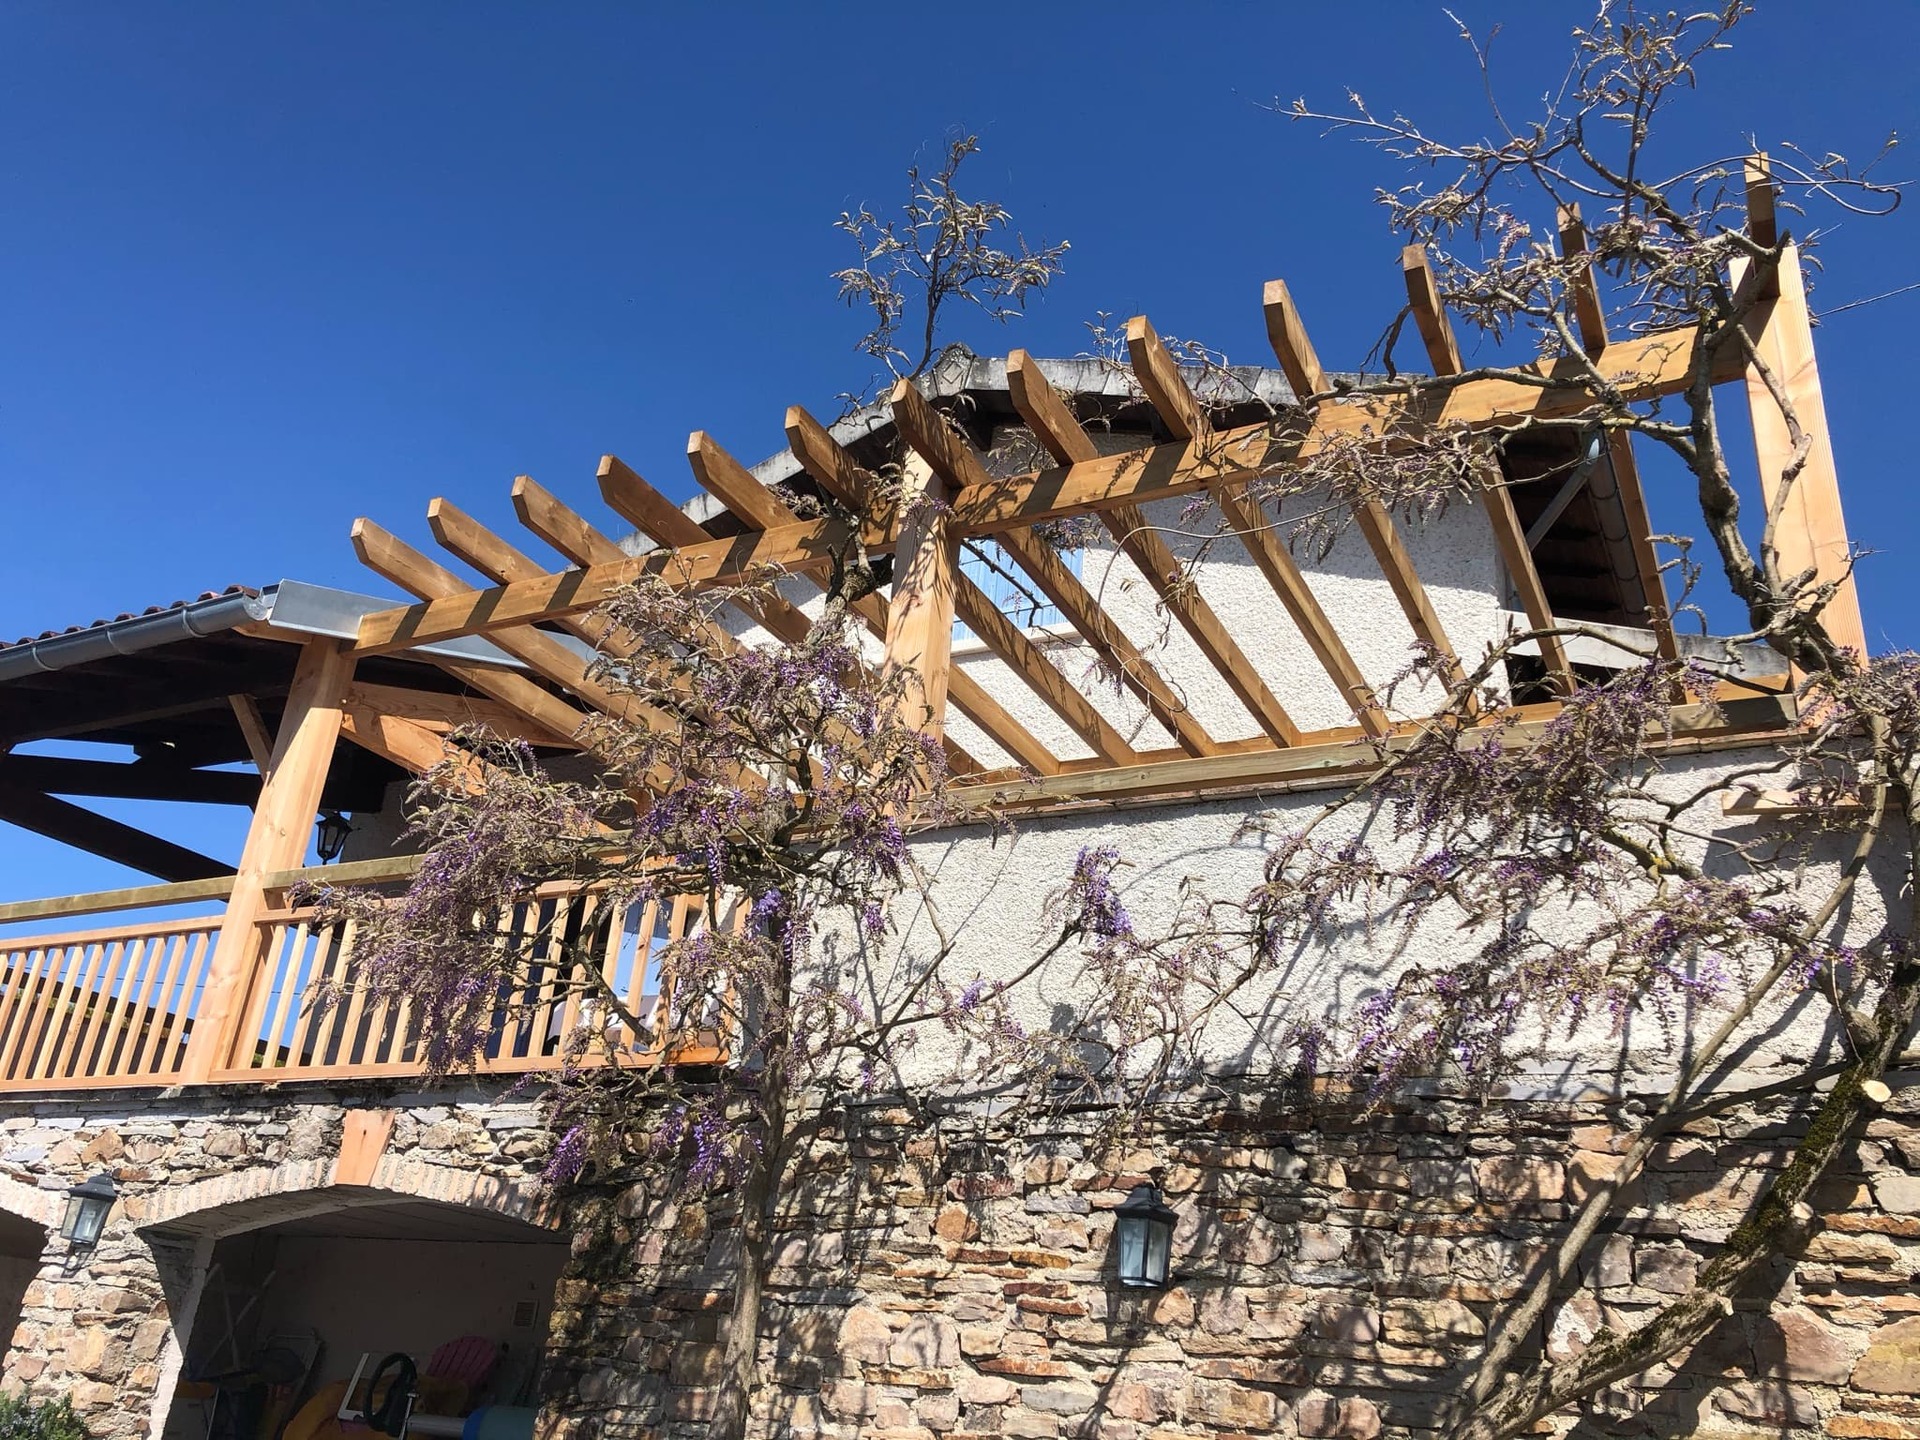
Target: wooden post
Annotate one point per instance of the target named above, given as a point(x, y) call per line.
point(1812, 531)
point(920, 619)
point(278, 839)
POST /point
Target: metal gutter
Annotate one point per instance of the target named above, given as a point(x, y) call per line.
point(321, 610)
point(136, 633)
point(292, 606)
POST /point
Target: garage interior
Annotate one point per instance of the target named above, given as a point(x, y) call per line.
point(289, 1310)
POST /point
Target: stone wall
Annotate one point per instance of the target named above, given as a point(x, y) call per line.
point(1336, 1270)
point(108, 1327)
point(1336, 1273)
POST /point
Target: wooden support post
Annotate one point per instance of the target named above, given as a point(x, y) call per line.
point(1811, 531)
point(1763, 222)
point(282, 830)
point(926, 560)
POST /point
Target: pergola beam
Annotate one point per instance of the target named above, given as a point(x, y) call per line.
point(667, 525)
point(411, 746)
point(1429, 313)
point(393, 559)
point(957, 464)
point(1291, 345)
point(1511, 539)
point(140, 780)
point(1181, 412)
point(441, 713)
point(1589, 316)
point(100, 835)
point(1590, 320)
point(948, 459)
point(465, 537)
point(1053, 424)
point(524, 602)
point(755, 502)
point(847, 481)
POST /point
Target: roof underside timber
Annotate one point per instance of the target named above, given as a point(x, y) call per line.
point(195, 690)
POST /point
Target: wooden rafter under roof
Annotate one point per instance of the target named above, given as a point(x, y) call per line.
point(750, 524)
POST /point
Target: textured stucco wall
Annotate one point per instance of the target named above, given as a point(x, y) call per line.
point(992, 890)
point(1451, 551)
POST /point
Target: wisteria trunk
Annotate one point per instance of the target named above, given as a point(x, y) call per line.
point(740, 1361)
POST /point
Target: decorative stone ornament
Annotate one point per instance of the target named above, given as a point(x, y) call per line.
point(87, 1206)
point(1143, 1239)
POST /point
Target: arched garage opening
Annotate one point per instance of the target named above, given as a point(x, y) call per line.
point(288, 1307)
point(21, 1241)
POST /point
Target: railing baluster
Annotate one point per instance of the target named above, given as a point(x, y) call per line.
point(96, 1049)
point(244, 1046)
point(43, 1044)
point(172, 950)
point(24, 965)
point(320, 975)
point(286, 958)
point(181, 1016)
point(175, 955)
point(347, 1045)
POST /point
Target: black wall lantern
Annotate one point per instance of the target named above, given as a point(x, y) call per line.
point(332, 839)
point(87, 1207)
point(1143, 1239)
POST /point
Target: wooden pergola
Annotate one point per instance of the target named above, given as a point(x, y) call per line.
point(524, 601)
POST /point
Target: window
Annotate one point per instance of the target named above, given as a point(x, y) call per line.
point(1008, 586)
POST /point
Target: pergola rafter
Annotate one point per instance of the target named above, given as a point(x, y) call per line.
point(1183, 414)
point(1295, 352)
point(1052, 421)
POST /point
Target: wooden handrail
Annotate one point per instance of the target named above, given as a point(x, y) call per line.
point(105, 902)
point(216, 887)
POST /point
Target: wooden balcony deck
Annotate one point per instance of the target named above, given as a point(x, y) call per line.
point(119, 1005)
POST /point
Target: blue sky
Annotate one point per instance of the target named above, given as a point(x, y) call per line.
point(267, 268)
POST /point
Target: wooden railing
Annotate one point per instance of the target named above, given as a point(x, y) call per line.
point(102, 1007)
point(117, 1006)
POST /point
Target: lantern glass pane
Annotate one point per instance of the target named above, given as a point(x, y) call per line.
point(91, 1220)
point(1159, 1252)
point(1130, 1234)
point(70, 1225)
